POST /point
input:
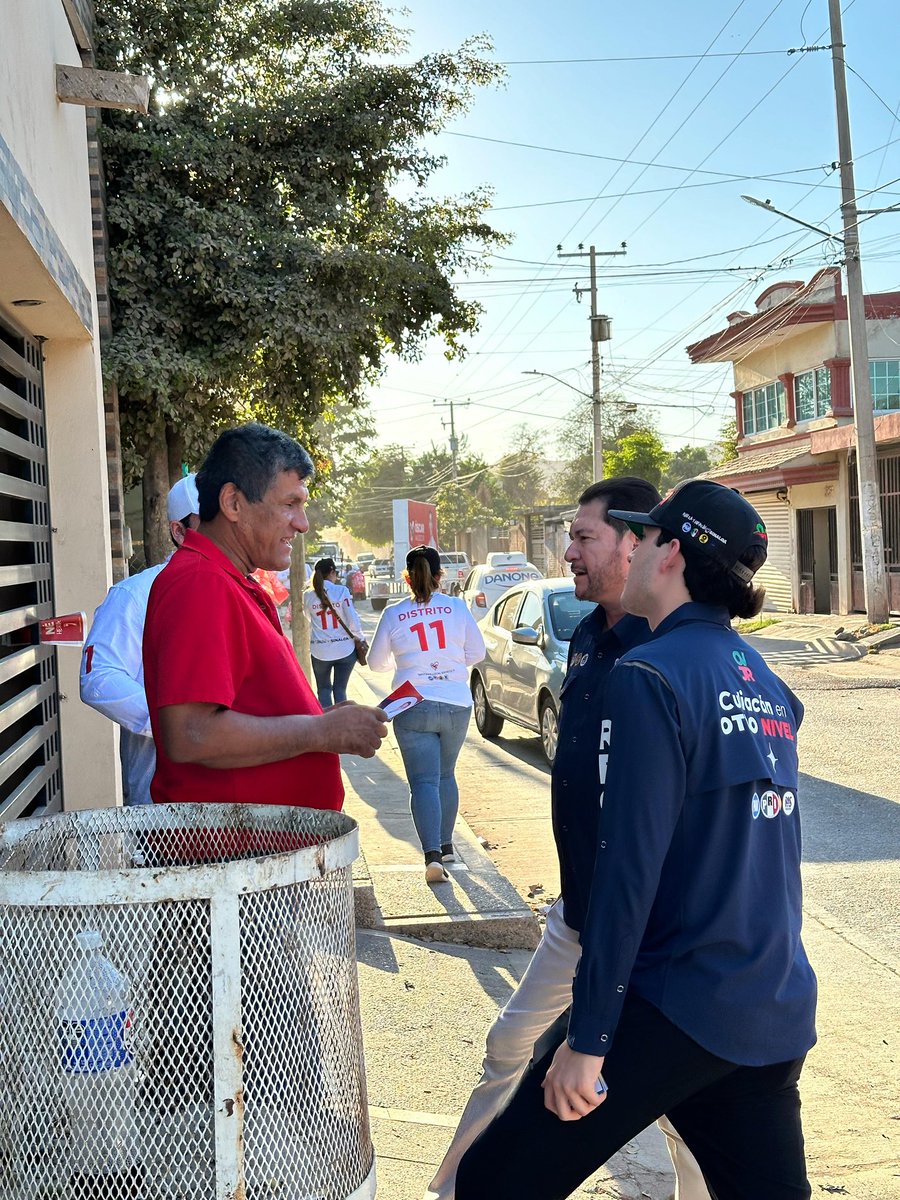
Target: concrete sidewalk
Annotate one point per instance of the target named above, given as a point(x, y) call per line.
point(843, 636)
point(480, 907)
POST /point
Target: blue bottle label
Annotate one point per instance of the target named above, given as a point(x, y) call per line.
point(97, 1043)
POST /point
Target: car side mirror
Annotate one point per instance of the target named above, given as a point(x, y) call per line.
point(526, 636)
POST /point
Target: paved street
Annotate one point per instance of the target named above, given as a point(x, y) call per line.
point(422, 1062)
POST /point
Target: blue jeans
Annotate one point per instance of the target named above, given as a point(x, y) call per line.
point(430, 737)
point(325, 685)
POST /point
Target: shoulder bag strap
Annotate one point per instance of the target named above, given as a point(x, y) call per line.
point(354, 637)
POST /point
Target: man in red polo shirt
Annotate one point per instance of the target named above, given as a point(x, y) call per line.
point(233, 716)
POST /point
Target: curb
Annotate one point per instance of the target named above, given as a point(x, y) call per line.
point(479, 907)
point(509, 924)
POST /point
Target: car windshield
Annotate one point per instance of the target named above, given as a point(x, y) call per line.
point(566, 610)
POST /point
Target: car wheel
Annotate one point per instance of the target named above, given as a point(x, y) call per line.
point(549, 729)
point(486, 720)
point(378, 605)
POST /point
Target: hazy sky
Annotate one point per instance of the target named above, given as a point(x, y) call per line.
point(651, 142)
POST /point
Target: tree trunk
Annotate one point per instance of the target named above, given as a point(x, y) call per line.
point(175, 451)
point(299, 623)
point(155, 487)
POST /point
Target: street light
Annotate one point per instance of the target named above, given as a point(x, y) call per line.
point(594, 397)
point(769, 207)
point(628, 407)
point(547, 375)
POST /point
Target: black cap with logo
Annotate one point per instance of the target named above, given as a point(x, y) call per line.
point(707, 518)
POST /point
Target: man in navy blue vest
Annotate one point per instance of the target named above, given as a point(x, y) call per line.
point(693, 996)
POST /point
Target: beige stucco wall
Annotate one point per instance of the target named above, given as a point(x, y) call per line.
point(806, 348)
point(803, 349)
point(884, 338)
point(47, 139)
point(47, 144)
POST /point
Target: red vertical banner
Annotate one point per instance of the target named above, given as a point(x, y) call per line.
point(423, 530)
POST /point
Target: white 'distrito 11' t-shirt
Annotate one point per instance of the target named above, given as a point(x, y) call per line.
point(430, 645)
point(328, 641)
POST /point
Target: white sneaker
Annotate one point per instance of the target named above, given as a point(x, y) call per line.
point(435, 873)
point(450, 856)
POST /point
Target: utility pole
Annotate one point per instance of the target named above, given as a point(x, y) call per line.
point(454, 440)
point(599, 333)
point(454, 446)
point(874, 576)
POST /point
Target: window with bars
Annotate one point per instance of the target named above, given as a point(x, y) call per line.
point(884, 374)
point(764, 408)
point(812, 394)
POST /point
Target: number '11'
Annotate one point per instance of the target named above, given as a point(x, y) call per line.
point(437, 626)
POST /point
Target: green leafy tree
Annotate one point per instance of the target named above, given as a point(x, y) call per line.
point(519, 474)
point(391, 474)
point(459, 507)
point(640, 453)
point(686, 463)
point(271, 240)
point(724, 449)
point(619, 419)
point(384, 478)
point(343, 436)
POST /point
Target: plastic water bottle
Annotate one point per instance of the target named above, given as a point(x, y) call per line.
point(95, 1028)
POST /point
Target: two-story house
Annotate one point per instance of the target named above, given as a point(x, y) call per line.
point(796, 440)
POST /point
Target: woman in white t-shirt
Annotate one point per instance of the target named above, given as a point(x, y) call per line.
point(431, 640)
point(332, 648)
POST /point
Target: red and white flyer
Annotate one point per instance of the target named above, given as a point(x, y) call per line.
point(68, 630)
point(402, 698)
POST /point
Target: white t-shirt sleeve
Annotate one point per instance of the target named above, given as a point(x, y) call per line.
point(381, 656)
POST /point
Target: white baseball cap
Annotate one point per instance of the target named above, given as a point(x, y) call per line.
point(183, 499)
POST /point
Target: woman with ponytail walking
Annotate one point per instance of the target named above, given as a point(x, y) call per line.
point(431, 640)
point(335, 630)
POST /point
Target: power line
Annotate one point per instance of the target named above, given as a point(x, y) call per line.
point(542, 62)
point(780, 177)
point(665, 108)
point(661, 111)
point(728, 176)
point(653, 123)
point(721, 141)
point(893, 112)
point(696, 107)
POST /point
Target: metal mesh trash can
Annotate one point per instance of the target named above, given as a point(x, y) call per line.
point(179, 1008)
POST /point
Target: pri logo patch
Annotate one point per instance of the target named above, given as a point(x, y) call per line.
point(770, 804)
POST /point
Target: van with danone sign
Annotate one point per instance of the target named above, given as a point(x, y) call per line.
point(488, 582)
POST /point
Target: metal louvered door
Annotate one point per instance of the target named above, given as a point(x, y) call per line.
point(776, 574)
point(30, 775)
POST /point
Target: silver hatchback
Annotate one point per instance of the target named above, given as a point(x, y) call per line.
point(526, 636)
